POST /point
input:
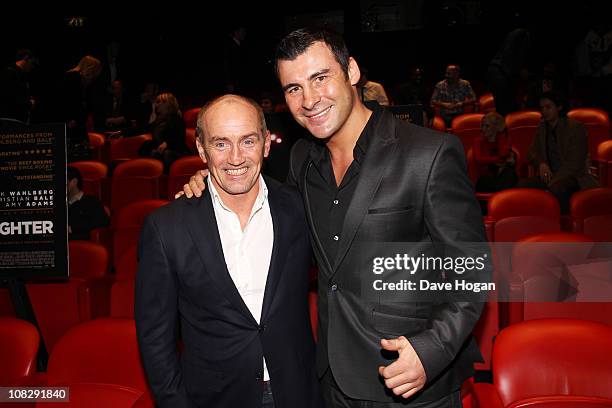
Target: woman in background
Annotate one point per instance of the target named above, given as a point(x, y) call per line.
point(494, 156)
point(168, 132)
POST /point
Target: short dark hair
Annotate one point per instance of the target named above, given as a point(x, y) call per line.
point(74, 173)
point(556, 98)
point(298, 41)
point(23, 53)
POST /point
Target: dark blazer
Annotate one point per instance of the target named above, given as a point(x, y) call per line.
point(183, 283)
point(412, 187)
point(573, 144)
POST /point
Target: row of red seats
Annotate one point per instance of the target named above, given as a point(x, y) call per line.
point(98, 360)
point(568, 360)
point(116, 150)
point(136, 179)
point(521, 128)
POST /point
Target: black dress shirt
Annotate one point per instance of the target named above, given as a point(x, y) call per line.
point(329, 202)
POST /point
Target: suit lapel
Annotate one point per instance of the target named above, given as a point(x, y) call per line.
point(382, 147)
point(280, 223)
point(202, 227)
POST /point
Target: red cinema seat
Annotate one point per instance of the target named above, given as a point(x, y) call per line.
point(190, 140)
point(550, 363)
point(597, 123)
point(438, 124)
point(127, 148)
point(122, 299)
point(604, 158)
point(126, 224)
point(135, 180)
point(103, 351)
point(19, 341)
point(94, 395)
point(553, 276)
point(486, 103)
point(87, 260)
point(96, 145)
point(513, 214)
point(94, 175)
point(180, 172)
point(58, 306)
point(516, 213)
point(122, 292)
point(467, 127)
point(591, 212)
point(191, 117)
point(522, 127)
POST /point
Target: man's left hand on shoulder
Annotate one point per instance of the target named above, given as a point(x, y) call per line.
point(406, 375)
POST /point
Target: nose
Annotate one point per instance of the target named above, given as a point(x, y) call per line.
point(311, 98)
point(236, 156)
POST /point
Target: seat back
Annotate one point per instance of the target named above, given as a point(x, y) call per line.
point(523, 202)
point(96, 145)
point(486, 103)
point(122, 299)
point(103, 350)
point(190, 117)
point(127, 264)
point(467, 127)
point(190, 140)
point(523, 118)
point(557, 353)
point(604, 156)
point(127, 147)
point(87, 260)
point(597, 123)
point(94, 177)
point(135, 180)
point(438, 124)
point(522, 127)
point(126, 225)
point(591, 212)
point(19, 341)
point(180, 172)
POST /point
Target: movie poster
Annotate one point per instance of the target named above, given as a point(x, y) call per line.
point(33, 210)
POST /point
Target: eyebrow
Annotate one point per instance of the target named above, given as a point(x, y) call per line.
point(224, 138)
point(310, 78)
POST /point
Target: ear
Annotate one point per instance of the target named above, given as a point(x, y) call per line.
point(267, 143)
point(201, 151)
point(354, 73)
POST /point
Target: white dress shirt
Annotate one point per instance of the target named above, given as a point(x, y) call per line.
point(247, 253)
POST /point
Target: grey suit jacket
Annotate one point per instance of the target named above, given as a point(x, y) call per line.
point(413, 187)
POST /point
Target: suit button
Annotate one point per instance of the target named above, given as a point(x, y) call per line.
point(334, 287)
point(261, 327)
point(259, 377)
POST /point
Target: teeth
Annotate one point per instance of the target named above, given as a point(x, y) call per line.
point(323, 112)
point(236, 172)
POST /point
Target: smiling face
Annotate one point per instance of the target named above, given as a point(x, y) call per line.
point(235, 145)
point(319, 94)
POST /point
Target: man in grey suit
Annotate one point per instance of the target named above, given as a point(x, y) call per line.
point(368, 177)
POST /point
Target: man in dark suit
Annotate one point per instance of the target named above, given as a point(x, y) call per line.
point(230, 271)
point(368, 179)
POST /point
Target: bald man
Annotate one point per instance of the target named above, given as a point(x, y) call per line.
point(229, 270)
